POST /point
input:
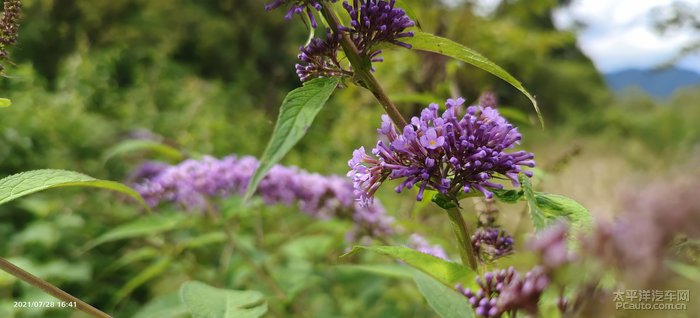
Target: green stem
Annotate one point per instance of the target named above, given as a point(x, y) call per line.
point(50, 289)
point(362, 69)
point(461, 230)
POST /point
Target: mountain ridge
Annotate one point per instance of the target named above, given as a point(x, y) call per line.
point(657, 83)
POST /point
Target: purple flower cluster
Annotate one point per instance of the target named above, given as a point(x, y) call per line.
point(376, 21)
point(492, 243)
point(298, 7)
point(373, 22)
point(191, 182)
point(320, 59)
point(449, 153)
point(420, 244)
point(9, 27)
point(506, 290)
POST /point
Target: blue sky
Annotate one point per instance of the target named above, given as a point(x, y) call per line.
point(620, 34)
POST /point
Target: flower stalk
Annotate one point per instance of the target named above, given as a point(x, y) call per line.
point(50, 289)
point(362, 70)
point(461, 230)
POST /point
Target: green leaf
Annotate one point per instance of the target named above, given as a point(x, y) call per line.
point(5, 102)
point(205, 301)
point(297, 113)
point(546, 209)
point(135, 145)
point(24, 183)
point(536, 215)
point(432, 43)
point(446, 272)
point(144, 226)
point(447, 302)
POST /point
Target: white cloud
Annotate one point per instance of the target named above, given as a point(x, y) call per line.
point(620, 34)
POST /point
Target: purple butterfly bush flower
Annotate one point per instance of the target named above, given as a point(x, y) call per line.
point(506, 290)
point(298, 7)
point(320, 59)
point(492, 243)
point(192, 182)
point(376, 21)
point(449, 153)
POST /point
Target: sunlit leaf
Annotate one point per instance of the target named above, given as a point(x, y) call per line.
point(546, 209)
point(394, 271)
point(204, 301)
point(297, 113)
point(446, 272)
point(447, 302)
point(24, 183)
point(432, 43)
point(166, 306)
point(5, 102)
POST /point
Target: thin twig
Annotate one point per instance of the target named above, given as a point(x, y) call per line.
point(459, 225)
point(50, 289)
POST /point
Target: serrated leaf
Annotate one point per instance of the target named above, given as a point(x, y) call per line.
point(508, 196)
point(546, 209)
point(297, 113)
point(432, 43)
point(446, 272)
point(446, 302)
point(536, 215)
point(24, 183)
point(556, 207)
point(141, 227)
point(135, 145)
point(5, 102)
point(204, 301)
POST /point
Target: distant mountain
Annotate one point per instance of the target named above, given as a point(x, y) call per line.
point(657, 83)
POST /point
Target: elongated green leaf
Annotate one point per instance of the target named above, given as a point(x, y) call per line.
point(432, 43)
point(297, 113)
point(446, 272)
point(21, 184)
point(205, 301)
point(135, 145)
point(691, 272)
point(141, 227)
point(5, 102)
point(447, 302)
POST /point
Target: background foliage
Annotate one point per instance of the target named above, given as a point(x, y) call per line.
point(207, 77)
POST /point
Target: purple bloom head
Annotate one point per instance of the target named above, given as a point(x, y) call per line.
point(9, 27)
point(375, 21)
point(419, 243)
point(448, 152)
point(320, 59)
point(492, 243)
point(298, 7)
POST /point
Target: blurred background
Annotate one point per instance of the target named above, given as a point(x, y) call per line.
point(618, 83)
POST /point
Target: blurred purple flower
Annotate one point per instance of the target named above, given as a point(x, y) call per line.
point(447, 153)
point(419, 243)
point(551, 246)
point(192, 182)
point(485, 299)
